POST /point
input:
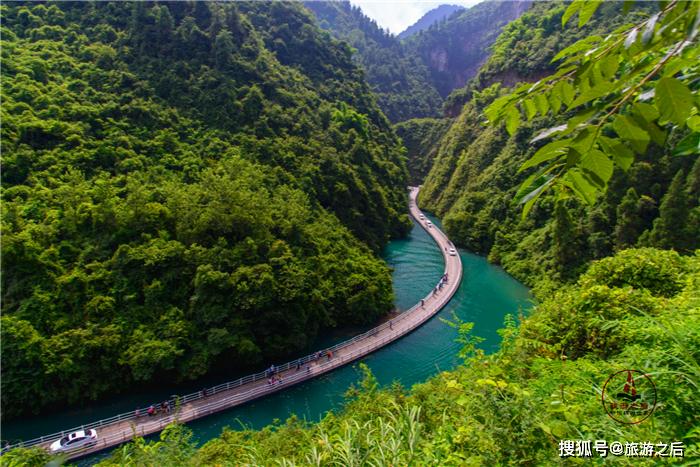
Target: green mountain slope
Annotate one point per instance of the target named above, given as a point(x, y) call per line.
point(398, 78)
point(636, 311)
point(421, 136)
point(433, 16)
point(455, 49)
point(186, 187)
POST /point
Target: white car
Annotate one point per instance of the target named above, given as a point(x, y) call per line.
point(429, 224)
point(75, 440)
point(453, 252)
point(421, 217)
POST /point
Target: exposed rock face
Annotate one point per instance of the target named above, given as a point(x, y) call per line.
point(438, 59)
point(454, 50)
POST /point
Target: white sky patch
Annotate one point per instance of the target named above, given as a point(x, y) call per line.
point(397, 15)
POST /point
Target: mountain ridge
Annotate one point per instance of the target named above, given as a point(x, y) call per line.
point(428, 19)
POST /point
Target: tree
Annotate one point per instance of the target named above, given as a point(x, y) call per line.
point(566, 240)
point(670, 228)
point(223, 48)
point(627, 228)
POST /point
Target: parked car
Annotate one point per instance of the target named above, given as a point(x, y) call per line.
point(75, 440)
point(453, 252)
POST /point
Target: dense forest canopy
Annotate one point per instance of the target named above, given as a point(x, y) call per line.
point(454, 49)
point(109, 206)
point(412, 75)
point(421, 136)
point(187, 186)
point(398, 77)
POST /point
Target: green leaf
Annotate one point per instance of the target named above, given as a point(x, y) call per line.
point(674, 100)
point(528, 185)
point(583, 189)
point(570, 11)
point(694, 123)
point(566, 91)
point(571, 417)
point(581, 117)
point(529, 200)
point(587, 10)
point(573, 156)
point(609, 66)
point(688, 146)
point(559, 428)
point(646, 111)
point(656, 134)
point(493, 110)
point(574, 49)
point(602, 89)
point(555, 102)
point(547, 152)
point(584, 140)
point(512, 120)
point(620, 154)
point(676, 65)
point(542, 104)
point(628, 130)
point(599, 166)
point(530, 109)
point(564, 70)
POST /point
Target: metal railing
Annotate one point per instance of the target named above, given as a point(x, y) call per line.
point(183, 413)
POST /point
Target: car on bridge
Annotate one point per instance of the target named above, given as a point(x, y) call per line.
point(421, 217)
point(75, 440)
point(453, 252)
point(429, 224)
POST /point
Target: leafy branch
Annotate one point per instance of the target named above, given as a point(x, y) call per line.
point(615, 96)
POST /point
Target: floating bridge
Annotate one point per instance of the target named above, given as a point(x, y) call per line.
point(124, 427)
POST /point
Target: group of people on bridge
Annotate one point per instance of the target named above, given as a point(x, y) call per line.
point(164, 408)
point(272, 376)
point(441, 284)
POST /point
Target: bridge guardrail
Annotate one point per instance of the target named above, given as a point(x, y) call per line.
point(180, 402)
point(132, 415)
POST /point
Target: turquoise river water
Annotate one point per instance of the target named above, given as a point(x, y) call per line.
point(486, 295)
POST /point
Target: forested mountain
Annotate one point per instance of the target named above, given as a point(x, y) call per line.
point(455, 49)
point(475, 177)
point(433, 16)
point(543, 386)
point(137, 214)
point(421, 136)
point(411, 77)
point(187, 186)
point(398, 78)
point(547, 382)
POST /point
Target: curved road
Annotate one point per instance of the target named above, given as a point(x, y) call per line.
point(124, 427)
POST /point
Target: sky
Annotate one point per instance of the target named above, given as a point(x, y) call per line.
point(397, 15)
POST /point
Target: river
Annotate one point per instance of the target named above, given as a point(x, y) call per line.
point(486, 295)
